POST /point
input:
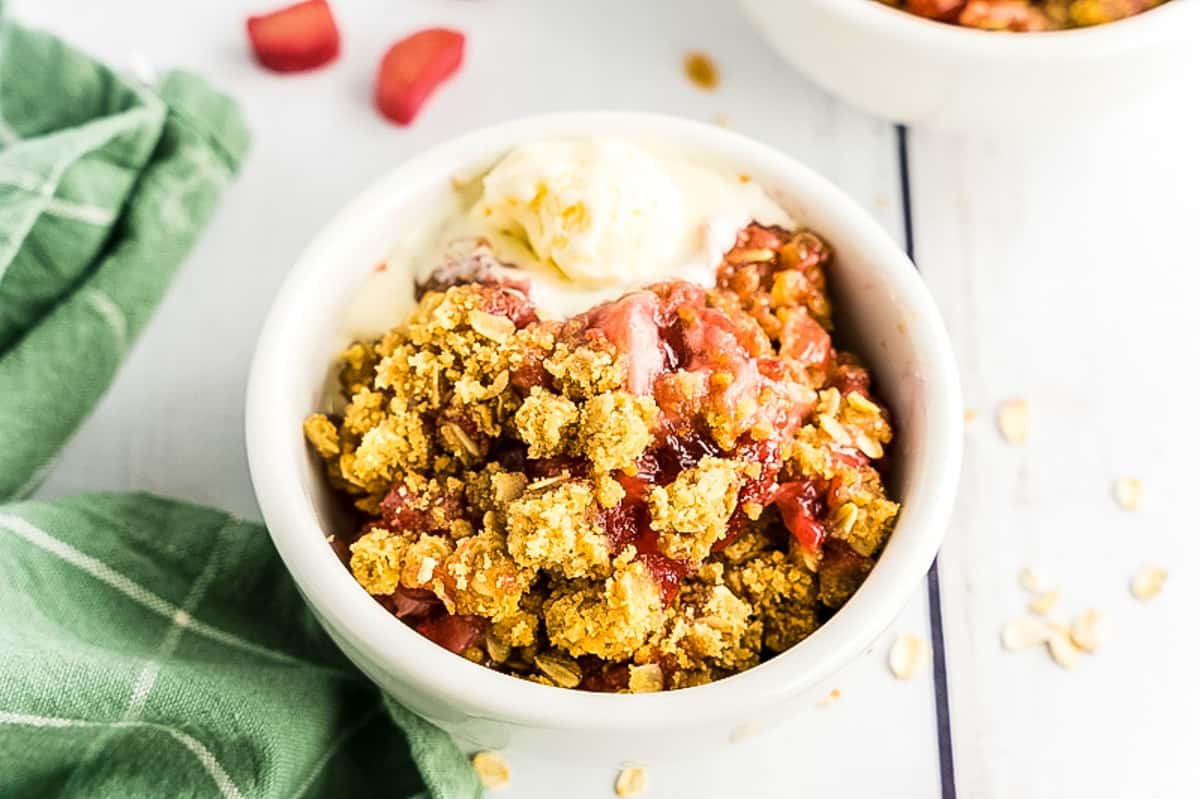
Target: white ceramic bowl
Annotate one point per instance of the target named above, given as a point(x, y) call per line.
point(884, 309)
point(910, 69)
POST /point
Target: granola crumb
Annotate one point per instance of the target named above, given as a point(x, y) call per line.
point(492, 769)
point(556, 529)
point(375, 561)
point(831, 698)
point(692, 513)
point(322, 434)
point(615, 429)
point(631, 782)
point(701, 70)
point(645, 678)
point(545, 421)
point(611, 622)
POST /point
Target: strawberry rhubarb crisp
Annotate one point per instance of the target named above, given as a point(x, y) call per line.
point(658, 492)
point(1025, 15)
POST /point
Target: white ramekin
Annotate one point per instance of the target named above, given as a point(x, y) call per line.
point(884, 309)
point(909, 69)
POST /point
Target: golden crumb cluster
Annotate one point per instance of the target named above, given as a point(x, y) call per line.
point(657, 493)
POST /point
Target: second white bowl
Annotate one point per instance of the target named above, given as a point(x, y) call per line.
point(909, 69)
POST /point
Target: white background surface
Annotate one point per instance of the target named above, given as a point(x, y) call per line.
point(1066, 265)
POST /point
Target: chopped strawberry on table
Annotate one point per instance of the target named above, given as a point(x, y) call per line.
point(413, 68)
point(295, 38)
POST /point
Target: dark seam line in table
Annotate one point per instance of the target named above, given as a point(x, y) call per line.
point(933, 588)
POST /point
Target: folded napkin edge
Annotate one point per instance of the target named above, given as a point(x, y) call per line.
point(208, 111)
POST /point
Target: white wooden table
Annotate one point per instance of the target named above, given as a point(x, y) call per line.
point(1067, 269)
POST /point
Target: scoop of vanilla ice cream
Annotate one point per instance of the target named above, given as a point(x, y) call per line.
point(602, 211)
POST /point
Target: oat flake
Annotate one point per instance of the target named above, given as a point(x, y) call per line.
point(908, 657)
point(1090, 630)
point(1032, 581)
point(1128, 493)
point(1064, 652)
point(1013, 420)
point(492, 769)
point(631, 781)
point(1147, 583)
point(562, 672)
point(1025, 632)
point(1044, 602)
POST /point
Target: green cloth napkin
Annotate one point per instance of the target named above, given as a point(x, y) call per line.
point(147, 647)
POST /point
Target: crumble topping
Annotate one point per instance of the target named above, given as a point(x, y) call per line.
point(323, 435)
point(783, 591)
point(557, 528)
point(609, 620)
point(546, 422)
point(692, 513)
point(657, 493)
point(614, 429)
point(375, 561)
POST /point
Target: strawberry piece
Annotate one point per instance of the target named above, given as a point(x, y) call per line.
point(945, 10)
point(455, 633)
point(667, 572)
point(293, 39)
point(412, 68)
point(801, 505)
point(803, 339)
point(414, 603)
point(604, 677)
point(631, 325)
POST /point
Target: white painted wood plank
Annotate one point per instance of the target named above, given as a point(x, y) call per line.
point(1067, 271)
point(878, 740)
point(172, 423)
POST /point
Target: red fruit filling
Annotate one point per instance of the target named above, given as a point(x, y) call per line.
point(296, 38)
point(477, 265)
point(801, 504)
point(945, 10)
point(414, 604)
point(603, 677)
point(400, 509)
point(629, 523)
point(456, 633)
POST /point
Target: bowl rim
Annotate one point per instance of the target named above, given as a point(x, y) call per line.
point(400, 651)
point(1163, 22)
